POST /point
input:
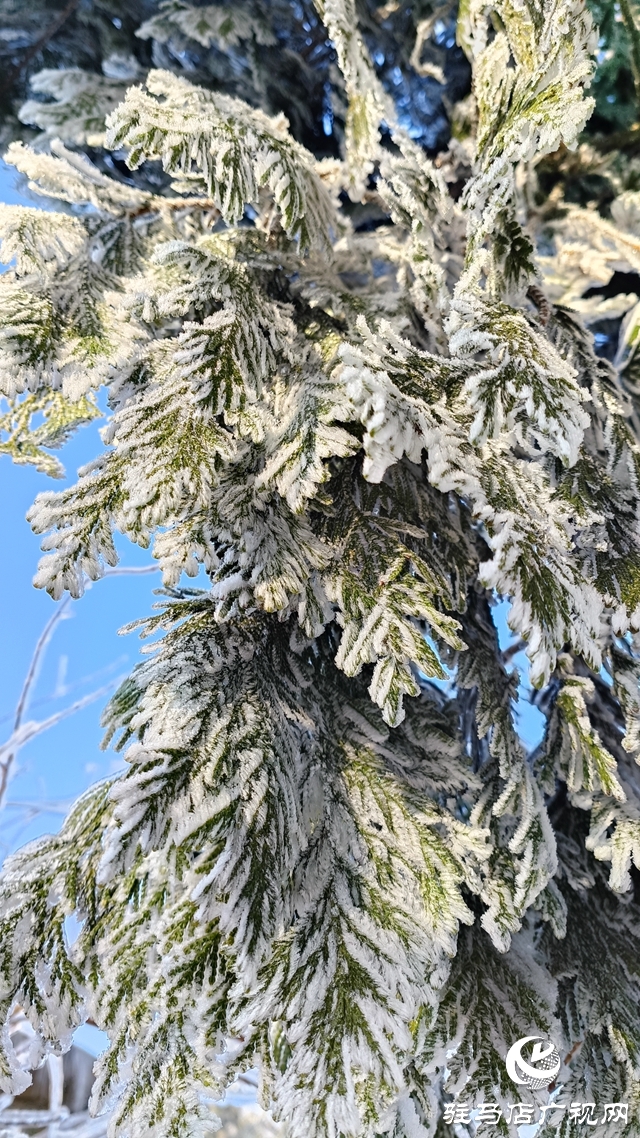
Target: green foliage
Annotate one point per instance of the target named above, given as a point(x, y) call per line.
point(218, 145)
point(29, 444)
point(615, 85)
point(208, 25)
point(330, 854)
point(81, 103)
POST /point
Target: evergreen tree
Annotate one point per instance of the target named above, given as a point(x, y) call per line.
point(355, 387)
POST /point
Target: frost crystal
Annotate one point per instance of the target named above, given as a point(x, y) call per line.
point(330, 855)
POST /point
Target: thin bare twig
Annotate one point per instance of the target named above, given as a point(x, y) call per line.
point(32, 671)
point(32, 809)
point(130, 570)
point(69, 689)
point(30, 730)
point(22, 814)
point(15, 72)
point(23, 701)
point(23, 734)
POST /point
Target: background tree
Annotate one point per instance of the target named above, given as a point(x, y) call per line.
point(353, 385)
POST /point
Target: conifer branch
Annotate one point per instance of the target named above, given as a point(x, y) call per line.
point(330, 854)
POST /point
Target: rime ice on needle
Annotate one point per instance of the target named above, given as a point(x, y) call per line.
point(318, 861)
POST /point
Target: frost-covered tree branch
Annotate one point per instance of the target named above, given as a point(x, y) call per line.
point(331, 856)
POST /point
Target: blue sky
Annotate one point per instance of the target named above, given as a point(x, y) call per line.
point(84, 654)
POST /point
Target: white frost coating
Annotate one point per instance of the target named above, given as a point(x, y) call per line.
point(223, 25)
point(398, 425)
point(329, 855)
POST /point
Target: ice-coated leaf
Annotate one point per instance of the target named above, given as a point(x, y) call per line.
point(225, 147)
